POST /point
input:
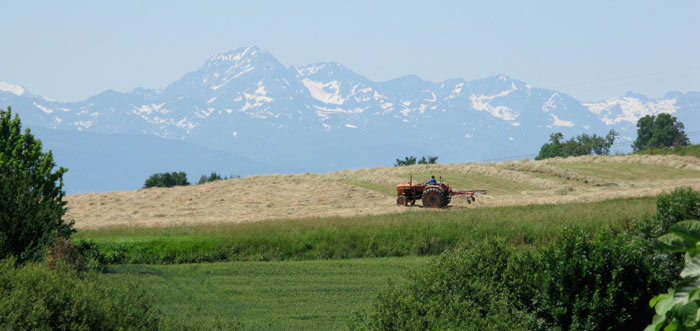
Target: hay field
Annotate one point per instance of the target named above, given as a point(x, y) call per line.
point(372, 191)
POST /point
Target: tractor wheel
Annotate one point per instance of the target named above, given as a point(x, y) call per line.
point(432, 198)
point(446, 198)
point(401, 200)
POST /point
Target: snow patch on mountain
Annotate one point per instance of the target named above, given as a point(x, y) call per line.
point(328, 93)
point(483, 103)
point(308, 70)
point(14, 89)
point(44, 109)
point(550, 105)
point(629, 109)
point(258, 98)
point(556, 121)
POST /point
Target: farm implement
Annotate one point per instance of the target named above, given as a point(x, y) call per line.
point(435, 195)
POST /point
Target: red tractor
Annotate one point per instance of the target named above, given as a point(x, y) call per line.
point(436, 195)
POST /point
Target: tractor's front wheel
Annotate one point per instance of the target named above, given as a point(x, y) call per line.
point(401, 200)
point(432, 198)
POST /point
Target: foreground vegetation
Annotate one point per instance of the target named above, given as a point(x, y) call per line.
point(33, 297)
point(425, 232)
point(579, 282)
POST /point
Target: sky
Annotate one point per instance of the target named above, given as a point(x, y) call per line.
point(592, 50)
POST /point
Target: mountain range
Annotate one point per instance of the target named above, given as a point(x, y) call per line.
point(243, 112)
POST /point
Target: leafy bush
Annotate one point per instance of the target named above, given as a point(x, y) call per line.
point(411, 160)
point(167, 179)
point(681, 204)
point(33, 297)
point(599, 284)
point(477, 288)
point(31, 194)
point(64, 252)
point(679, 309)
point(581, 145)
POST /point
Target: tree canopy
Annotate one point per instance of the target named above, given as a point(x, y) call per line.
point(167, 179)
point(581, 145)
point(657, 131)
point(410, 160)
point(31, 193)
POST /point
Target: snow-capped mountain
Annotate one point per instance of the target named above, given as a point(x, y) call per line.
point(324, 116)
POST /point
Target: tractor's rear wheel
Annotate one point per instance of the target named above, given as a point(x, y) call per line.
point(446, 198)
point(401, 200)
point(432, 198)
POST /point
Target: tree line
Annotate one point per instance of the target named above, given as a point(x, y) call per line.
point(653, 131)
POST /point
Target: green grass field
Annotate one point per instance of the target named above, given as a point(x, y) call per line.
point(628, 172)
point(290, 295)
point(417, 233)
point(458, 181)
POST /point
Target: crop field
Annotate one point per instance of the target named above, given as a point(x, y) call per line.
point(371, 191)
point(301, 295)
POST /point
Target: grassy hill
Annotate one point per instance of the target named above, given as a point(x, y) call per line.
point(372, 191)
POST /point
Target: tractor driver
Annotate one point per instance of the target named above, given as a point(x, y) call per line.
point(432, 181)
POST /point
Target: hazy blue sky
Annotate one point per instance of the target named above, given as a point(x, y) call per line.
point(69, 50)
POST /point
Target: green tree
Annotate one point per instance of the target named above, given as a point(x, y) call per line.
point(167, 179)
point(212, 177)
point(657, 131)
point(581, 145)
point(31, 193)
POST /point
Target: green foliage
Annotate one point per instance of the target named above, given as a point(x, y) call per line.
point(399, 234)
point(598, 284)
point(211, 178)
point(31, 193)
point(476, 288)
point(679, 308)
point(581, 145)
point(680, 204)
point(688, 150)
point(657, 131)
point(167, 179)
point(33, 297)
point(411, 160)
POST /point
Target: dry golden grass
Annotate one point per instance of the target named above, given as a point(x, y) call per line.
point(372, 191)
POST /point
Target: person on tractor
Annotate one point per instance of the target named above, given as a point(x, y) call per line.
point(432, 181)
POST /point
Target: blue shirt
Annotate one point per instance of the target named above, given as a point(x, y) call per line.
point(432, 181)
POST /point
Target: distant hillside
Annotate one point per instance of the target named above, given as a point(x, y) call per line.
point(372, 191)
point(116, 162)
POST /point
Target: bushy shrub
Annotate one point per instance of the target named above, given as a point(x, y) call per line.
point(477, 288)
point(600, 284)
point(211, 178)
point(64, 252)
point(167, 179)
point(34, 297)
point(31, 193)
point(680, 204)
